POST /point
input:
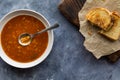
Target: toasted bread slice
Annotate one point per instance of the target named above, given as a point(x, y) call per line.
point(114, 32)
point(100, 17)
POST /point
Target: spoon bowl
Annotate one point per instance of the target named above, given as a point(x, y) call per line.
point(24, 39)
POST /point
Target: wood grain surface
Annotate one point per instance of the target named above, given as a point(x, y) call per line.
point(70, 9)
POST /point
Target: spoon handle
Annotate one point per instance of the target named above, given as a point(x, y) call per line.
point(48, 28)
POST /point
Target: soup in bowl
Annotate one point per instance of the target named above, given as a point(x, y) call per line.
point(24, 21)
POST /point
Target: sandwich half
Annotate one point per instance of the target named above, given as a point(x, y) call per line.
point(100, 17)
point(114, 32)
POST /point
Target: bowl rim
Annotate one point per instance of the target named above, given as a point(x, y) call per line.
point(47, 51)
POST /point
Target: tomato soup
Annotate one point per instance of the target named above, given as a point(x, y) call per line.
point(11, 32)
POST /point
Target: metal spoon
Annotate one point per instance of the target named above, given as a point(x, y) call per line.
point(25, 38)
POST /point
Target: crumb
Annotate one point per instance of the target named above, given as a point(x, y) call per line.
point(90, 32)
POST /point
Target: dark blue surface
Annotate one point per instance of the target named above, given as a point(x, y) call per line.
point(68, 59)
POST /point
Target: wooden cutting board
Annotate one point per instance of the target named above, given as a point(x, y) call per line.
point(70, 9)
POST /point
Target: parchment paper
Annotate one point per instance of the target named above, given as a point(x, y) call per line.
point(94, 42)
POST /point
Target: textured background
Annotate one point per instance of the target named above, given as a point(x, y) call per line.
point(68, 59)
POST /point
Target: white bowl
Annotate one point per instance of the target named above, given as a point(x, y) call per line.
point(37, 15)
